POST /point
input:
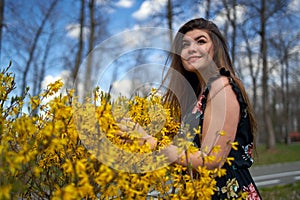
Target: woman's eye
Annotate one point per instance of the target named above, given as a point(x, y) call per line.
point(185, 44)
point(201, 41)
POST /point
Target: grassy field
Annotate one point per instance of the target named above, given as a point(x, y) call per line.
point(286, 192)
point(282, 153)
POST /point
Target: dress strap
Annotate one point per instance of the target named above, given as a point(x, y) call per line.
point(237, 91)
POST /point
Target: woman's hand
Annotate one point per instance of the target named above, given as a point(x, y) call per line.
point(129, 128)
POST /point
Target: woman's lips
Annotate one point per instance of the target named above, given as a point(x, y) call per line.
point(193, 58)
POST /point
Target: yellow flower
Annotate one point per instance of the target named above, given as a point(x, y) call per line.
point(209, 159)
point(229, 159)
point(60, 144)
point(68, 166)
point(5, 191)
point(68, 192)
point(216, 149)
point(222, 132)
point(35, 102)
point(220, 172)
point(234, 145)
point(54, 87)
point(197, 130)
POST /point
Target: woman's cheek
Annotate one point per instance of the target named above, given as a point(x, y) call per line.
point(188, 66)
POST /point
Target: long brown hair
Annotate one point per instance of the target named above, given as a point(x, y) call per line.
point(221, 58)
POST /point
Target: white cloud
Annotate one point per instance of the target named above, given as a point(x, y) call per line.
point(240, 15)
point(131, 87)
point(135, 37)
point(123, 88)
point(102, 2)
point(214, 4)
point(139, 37)
point(64, 75)
point(149, 7)
point(254, 45)
point(294, 6)
point(73, 31)
point(295, 49)
point(143, 12)
point(125, 3)
point(105, 6)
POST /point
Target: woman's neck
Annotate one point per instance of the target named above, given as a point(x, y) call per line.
point(207, 73)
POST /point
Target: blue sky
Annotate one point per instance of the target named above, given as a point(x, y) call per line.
point(121, 17)
point(128, 14)
point(124, 15)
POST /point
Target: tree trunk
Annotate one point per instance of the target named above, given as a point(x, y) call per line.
point(232, 20)
point(283, 121)
point(287, 100)
point(170, 19)
point(271, 143)
point(88, 73)
point(44, 61)
point(80, 48)
point(1, 23)
point(207, 12)
point(253, 73)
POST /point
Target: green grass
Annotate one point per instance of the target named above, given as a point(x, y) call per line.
point(286, 192)
point(282, 153)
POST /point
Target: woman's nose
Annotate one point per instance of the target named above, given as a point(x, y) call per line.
point(192, 48)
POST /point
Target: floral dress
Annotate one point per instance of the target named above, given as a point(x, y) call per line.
point(238, 178)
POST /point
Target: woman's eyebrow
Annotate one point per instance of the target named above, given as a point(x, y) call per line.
point(200, 36)
point(187, 39)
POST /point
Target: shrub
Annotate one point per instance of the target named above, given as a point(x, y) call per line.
point(64, 149)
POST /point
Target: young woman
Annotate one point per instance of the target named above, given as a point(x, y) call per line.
point(200, 60)
point(200, 54)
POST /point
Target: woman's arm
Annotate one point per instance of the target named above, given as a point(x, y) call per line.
point(221, 116)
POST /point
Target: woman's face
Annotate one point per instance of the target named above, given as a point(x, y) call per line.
point(197, 50)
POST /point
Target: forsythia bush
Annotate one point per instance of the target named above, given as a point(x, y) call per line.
point(64, 149)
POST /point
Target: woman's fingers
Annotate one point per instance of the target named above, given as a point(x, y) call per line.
point(143, 138)
point(121, 134)
point(132, 128)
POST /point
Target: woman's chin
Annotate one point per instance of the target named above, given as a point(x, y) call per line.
point(194, 68)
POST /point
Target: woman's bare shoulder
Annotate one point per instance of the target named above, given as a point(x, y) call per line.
point(220, 85)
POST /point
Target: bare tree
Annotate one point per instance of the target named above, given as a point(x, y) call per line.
point(266, 11)
point(254, 71)
point(208, 4)
point(41, 70)
point(88, 72)
point(230, 8)
point(283, 44)
point(170, 14)
point(29, 42)
point(79, 53)
point(32, 48)
point(265, 77)
point(165, 17)
point(1, 22)
point(92, 30)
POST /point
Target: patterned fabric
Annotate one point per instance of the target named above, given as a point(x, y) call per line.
point(238, 178)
